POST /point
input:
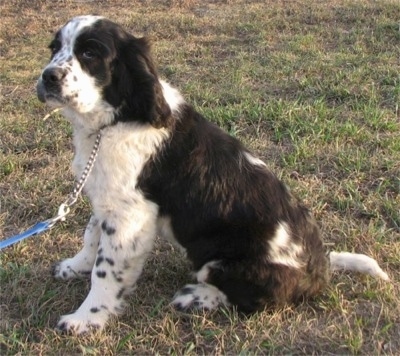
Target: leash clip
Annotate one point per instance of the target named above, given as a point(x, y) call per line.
point(63, 210)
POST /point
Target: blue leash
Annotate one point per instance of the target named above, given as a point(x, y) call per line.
point(37, 228)
point(64, 208)
point(34, 230)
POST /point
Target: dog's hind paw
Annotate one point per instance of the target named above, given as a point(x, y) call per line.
point(199, 296)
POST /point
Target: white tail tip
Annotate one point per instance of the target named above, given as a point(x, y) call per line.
point(356, 262)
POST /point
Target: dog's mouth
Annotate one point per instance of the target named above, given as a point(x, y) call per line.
point(49, 97)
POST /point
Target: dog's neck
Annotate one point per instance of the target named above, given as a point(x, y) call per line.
point(91, 122)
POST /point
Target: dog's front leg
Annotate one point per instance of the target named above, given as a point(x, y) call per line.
point(82, 263)
point(124, 245)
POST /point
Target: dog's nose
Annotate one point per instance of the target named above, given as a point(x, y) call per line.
point(53, 75)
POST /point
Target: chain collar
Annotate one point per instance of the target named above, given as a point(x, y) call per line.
point(64, 208)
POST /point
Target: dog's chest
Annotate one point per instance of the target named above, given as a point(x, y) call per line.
point(123, 152)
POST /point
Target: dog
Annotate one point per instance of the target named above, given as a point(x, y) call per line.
point(163, 169)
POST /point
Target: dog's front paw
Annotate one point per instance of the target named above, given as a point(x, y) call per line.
point(65, 270)
point(80, 323)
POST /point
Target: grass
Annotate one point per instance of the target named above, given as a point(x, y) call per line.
point(312, 87)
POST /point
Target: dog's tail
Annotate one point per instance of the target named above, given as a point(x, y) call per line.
point(356, 262)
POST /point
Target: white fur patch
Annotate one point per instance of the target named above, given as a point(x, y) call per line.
point(199, 296)
point(202, 274)
point(73, 27)
point(283, 250)
point(164, 230)
point(356, 262)
point(172, 96)
point(124, 150)
point(253, 160)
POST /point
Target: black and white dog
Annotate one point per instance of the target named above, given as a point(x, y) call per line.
point(163, 169)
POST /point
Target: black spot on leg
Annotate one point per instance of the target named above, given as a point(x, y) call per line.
point(186, 290)
point(94, 310)
point(109, 230)
point(64, 274)
point(117, 277)
point(101, 274)
point(119, 247)
point(62, 327)
point(100, 251)
point(110, 261)
point(179, 306)
point(120, 293)
point(99, 260)
point(197, 303)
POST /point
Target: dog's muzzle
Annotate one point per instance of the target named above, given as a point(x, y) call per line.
point(50, 83)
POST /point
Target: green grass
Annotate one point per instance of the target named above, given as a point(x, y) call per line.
point(312, 87)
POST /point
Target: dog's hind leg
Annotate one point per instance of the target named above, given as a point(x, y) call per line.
point(202, 295)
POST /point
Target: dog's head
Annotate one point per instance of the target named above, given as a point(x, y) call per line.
point(97, 66)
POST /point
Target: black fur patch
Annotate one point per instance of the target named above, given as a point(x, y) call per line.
point(120, 293)
point(99, 260)
point(109, 230)
point(110, 261)
point(101, 274)
point(117, 277)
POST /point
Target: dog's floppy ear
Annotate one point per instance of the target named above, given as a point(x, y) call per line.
point(138, 84)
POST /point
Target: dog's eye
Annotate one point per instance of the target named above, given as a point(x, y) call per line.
point(54, 47)
point(88, 54)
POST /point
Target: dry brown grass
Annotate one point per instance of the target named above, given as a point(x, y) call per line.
point(311, 86)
